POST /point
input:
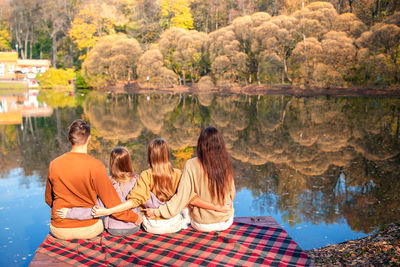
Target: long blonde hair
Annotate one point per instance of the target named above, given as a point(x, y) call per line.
point(159, 160)
point(120, 164)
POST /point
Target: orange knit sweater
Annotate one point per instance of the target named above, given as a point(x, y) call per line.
point(75, 180)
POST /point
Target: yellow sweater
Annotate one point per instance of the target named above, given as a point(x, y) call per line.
point(194, 184)
point(141, 191)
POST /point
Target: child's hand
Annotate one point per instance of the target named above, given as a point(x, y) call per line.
point(139, 220)
point(98, 212)
point(62, 213)
point(149, 213)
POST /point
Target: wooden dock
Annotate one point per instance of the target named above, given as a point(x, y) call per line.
point(41, 259)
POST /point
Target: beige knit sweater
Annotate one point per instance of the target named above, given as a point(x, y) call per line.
point(194, 183)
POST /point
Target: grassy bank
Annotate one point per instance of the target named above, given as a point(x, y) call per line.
point(9, 88)
point(379, 249)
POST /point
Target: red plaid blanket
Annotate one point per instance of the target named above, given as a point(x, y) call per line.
point(240, 245)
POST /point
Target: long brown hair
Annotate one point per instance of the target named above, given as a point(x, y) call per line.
point(215, 161)
point(159, 160)
point(120, 164)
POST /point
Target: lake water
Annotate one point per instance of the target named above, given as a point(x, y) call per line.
point(326, 168)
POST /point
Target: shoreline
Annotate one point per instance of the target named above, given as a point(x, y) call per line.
point(379, 249)
point(258, 90)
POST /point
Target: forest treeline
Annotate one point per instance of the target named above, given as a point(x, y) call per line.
point(233, 42)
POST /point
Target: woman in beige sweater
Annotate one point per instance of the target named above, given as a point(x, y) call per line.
point(208, 176)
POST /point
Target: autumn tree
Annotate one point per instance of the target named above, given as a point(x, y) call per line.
point(305, 57)
point(338, 51)
point(382, 41)
point(23, 19)
point(4, 36)
point(189, 55)
point(349, 24)
point(374, 11)
point(144, 20)
point(274, 41)
point(287, 7)
point(95, 20)
point(326, 63)
point(168, 43)
point(113, 59)
point(244, 29)
point(316, 19)
point(209, 15)
point(393, 19)
point(184, 52)
point(152, 72)
point(228, 63)
point(176, 13)
point(56, 20)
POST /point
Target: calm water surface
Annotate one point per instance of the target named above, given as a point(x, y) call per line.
point(326, 168)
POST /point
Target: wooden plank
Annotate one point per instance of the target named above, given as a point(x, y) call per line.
point(259, 220)
point(41, 259)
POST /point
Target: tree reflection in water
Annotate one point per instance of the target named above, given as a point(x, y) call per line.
point(315, 159)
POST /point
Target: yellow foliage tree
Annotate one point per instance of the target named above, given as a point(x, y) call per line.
point(4, 37)
point(88, 27)
point(181, 156)
point(176, 13)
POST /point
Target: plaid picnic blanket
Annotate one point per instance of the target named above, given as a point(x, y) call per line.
point(240, 245)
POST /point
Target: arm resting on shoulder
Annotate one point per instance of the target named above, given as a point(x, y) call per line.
point(139, 194)
point(77, 213)
point(106, 192)
point(98, 212)
point(183, 196)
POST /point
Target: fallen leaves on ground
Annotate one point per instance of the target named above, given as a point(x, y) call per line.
point(379, 249)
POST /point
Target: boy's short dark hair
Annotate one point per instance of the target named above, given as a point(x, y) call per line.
point(78, 132)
